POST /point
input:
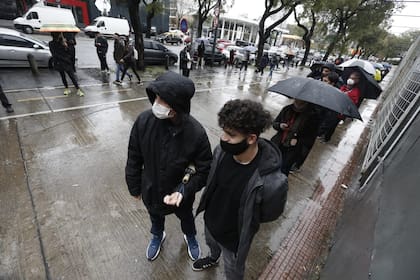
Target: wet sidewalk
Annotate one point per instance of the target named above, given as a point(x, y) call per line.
point(65, 209)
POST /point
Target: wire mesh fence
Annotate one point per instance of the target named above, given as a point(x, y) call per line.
point(399, 108)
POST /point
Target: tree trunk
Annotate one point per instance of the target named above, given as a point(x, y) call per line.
point(200, 25)
point(307, 37)
point(149, 24)
point(337, 38)
point(261, 40)
point(133, 10)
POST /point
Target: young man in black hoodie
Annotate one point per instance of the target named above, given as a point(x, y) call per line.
point(245, 187)
point(164, 141)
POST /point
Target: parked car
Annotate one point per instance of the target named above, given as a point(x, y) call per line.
point(15, 48)
point(219, 57)
point(156, 53)
point(169, 38)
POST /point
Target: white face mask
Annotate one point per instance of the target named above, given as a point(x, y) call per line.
point(350, 82)
point(160, 111)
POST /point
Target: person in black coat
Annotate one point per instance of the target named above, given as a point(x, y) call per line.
point(63, 61)
point(245, 187)
point(71, 43)
point(200, 54)
point(101, 45)
point(5, 101)
point(185, 61)
point(297, 125)
point(129, 61)
point(164, 142)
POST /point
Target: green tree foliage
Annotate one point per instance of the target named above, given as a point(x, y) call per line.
point(391, 46)
point(353, 17)
point(204, 9)
point(273, 7)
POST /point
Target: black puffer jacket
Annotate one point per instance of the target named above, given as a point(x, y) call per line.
point(62, 56)
point(159, 151)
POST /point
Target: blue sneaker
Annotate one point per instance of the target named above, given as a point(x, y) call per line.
point(193, 247)
point(153, 248)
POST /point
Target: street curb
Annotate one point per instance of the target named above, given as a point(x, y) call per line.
point(298, 256)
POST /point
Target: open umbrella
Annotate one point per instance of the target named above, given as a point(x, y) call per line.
point(369, 88)
point(59, 27)
point(364, 64)
point(319, 93)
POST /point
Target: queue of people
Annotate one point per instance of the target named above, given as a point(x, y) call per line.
point(164, 143)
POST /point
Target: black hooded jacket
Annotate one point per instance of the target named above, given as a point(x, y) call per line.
point(159, 151)
point(263, 199)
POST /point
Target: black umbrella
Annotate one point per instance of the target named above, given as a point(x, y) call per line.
point(319, 93)
point(369, 88)
point(316, 69)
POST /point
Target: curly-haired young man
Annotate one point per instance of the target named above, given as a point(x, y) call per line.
point(245, 186)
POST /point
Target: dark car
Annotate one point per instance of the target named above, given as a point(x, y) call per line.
point(156, 53)
point(219, 57)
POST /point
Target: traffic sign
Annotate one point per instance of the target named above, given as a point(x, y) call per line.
point(184, 25)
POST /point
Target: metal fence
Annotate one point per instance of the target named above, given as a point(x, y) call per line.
point(400, 106)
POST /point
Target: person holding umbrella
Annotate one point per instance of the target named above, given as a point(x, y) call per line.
point(297, 124)
point(297, 127)
point(63, 61)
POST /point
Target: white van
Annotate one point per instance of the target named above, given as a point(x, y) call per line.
point(108, 26)
point(39, 15)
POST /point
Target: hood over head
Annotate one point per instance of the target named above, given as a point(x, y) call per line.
point(174, 89)
point(329, 66)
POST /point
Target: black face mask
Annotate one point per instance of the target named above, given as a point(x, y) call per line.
point(234, 149)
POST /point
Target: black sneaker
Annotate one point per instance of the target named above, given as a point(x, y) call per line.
point(294, 168)
point(9, 109)
point(204, 263)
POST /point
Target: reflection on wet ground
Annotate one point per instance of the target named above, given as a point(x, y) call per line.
point(72, 152)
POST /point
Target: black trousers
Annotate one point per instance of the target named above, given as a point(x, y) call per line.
point(102, 59)
point(186, 72)
point(3, 98)
point(328, 125)
point(184, 213)
point(133, 68)
point(244, 64)
point(72, 76)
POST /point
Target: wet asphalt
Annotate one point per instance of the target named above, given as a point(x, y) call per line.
point(65, 212)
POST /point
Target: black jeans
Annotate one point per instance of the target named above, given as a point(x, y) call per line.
point(72, 76)
point(184, 213)
point(133, 68)
point(102, 59)
point(3, 98)
point(234, 270)
point(244, 64)
point(186, 72)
